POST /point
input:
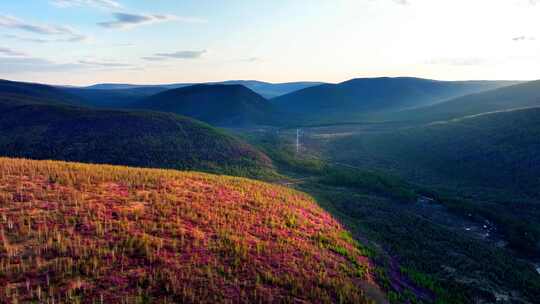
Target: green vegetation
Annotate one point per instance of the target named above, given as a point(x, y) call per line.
point(436, 264)
point(419, 260)
point(142, 139)
point(32, 92)
point(369, 181)
point(486, 165)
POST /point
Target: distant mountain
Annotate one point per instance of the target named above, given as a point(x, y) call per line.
point(23, 91)
point(223, 105)
point(271, 90)
point(357, 98)
point(144, 139)
point(521, 95)
point(265, 89)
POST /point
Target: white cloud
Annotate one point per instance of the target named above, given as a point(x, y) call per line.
point(523, 38)
point(10, 52)
point(402, 2)
point(126, 21)
point(94, 3)
point(463, 61)
point(16, 65)
point(109, 64)
point(181, 54)
point(70, 35)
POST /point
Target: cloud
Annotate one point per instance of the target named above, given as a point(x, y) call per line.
point(402, 2)
point(10, 52)
point(126, 21)
point(74, 38)
point(180, 55)
point(251, 59)
point(523, 38)
point(26, 39)
point(154, 58)
point(94, 3)
point(70, 35)
point(108, 64)
point(21, 65)
point(464, 61)
point(15, 65)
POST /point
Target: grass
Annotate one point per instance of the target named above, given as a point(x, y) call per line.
point(77, 233)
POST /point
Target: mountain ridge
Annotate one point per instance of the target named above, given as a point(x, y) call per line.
point(216, 104)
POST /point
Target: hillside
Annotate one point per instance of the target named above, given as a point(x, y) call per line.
point(143, 139)
point(492, 150)
point(489, 162)
point(22, 91)
point(516, 96)
point(103, 234)
point(265, 89)
point(114, 98)
point(223, 105)
point(359, 98)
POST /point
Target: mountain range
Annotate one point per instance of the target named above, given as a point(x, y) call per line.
point(265, 89)
point(436, 182)
point(36, 127)
point(357, 99)
point(523, 95)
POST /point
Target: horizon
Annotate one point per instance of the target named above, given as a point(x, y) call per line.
point(85, 42)
point(255, 80)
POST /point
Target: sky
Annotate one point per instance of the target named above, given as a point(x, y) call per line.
point(82, 42)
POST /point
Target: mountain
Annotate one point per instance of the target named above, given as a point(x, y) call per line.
point(112, 98)
point(223, 105)
point(271, 90)
point(135, 138)
point(489, 162)
point(265, 89)
point(358, 98)
point(521, 95)
point(22, 91)
point(95, 233)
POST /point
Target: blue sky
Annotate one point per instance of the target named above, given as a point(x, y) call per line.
point(164, 41)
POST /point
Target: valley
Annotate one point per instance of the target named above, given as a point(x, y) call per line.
point(269, 152)
point(430, 232)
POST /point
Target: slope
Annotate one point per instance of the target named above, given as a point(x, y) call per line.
point(89, 233)
point(114, 98)
point(517, 96)
point(265, 89)
point(144, 139)
point(22, 91)
point(224, 105)
point(357, 99)
point(489, 162)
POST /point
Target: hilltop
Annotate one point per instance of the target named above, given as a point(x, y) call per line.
point(223, 105)
point(94, 233)
point(265, 89)
point(360, 98)
point(25, 92)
